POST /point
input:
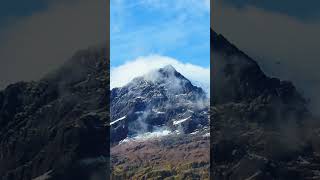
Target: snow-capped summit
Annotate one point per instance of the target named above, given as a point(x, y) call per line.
point(157, 99)
point(168, 68)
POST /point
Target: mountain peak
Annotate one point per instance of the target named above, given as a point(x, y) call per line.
point(166, 81)
point(168, 68)
point(237, 77)
point(169, 71)
point(165, 74)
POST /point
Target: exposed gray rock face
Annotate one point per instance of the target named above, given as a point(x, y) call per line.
point(261, 128)
point(56, 127)
point(161, 98)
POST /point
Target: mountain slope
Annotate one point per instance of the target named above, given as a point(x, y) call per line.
point(55, 127)
point(161, 121)
point(261, 128)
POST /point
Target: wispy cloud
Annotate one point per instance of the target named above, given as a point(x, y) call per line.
point(124, 73)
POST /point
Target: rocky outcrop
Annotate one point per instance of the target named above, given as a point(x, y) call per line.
point(55, 128)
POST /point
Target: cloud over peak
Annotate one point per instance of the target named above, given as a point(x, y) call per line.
point(123, 74)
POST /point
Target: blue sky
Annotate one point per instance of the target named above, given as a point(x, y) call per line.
point(177, 29)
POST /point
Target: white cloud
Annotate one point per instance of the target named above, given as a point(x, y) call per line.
point(121, 75)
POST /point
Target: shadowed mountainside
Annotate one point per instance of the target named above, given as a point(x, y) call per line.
point(55, 128)
point(260, 126)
